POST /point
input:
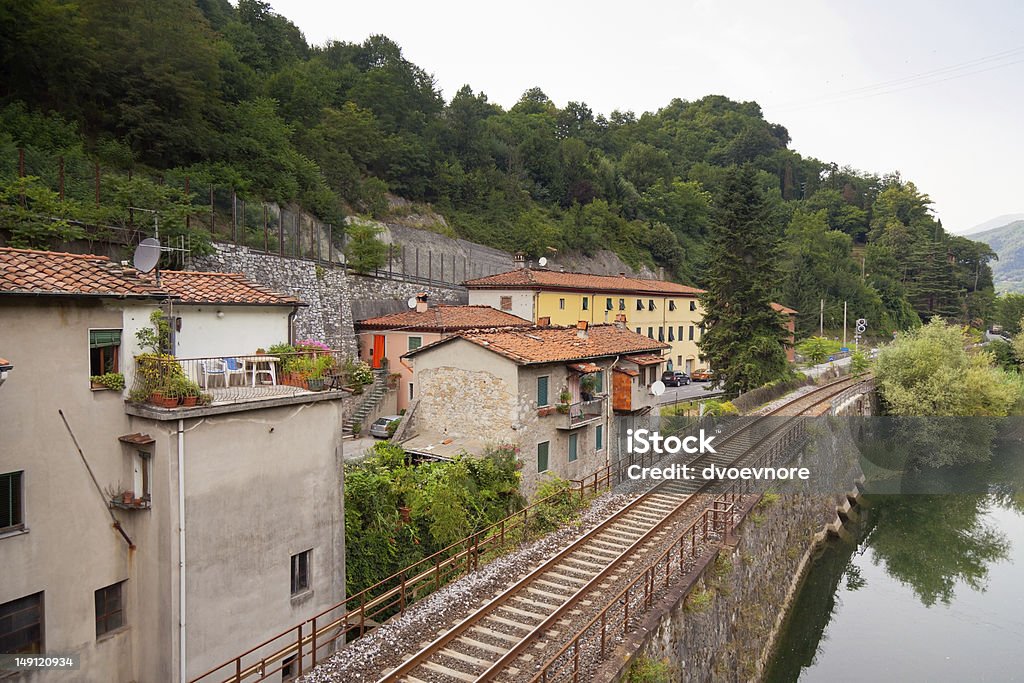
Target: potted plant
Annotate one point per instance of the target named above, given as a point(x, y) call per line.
point(111, 380)
point(357, 428)
point(563, 401)
point(588, 385)
point(204, 399)
point(188, 391)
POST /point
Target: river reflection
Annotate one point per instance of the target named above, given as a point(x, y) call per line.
point(929, 587)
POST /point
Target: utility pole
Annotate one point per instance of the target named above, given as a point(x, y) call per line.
point(821, 320)
point(844, 324)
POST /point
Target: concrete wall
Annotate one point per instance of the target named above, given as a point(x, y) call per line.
point(239, 330)
point(522, 301)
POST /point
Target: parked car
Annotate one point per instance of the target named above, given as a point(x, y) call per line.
point(675, 379)
point(702, 375)
point(379, 428)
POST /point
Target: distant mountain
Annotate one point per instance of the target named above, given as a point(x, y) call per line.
point(994, 224)
point(1007, 241)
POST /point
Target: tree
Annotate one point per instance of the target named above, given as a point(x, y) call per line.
point(744, 339)
point(364, 251)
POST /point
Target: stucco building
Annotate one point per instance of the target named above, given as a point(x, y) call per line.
point(154, 542)
point(549, 391)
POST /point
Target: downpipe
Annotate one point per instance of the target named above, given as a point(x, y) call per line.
point(181, 551)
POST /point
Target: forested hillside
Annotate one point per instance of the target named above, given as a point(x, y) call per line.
point(236, 97)
point(1008, 242)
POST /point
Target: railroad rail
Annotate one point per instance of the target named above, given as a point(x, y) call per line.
point(494, 642)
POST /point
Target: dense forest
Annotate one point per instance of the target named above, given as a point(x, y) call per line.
point(236, 96)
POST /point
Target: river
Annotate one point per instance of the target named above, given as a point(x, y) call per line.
point(926, 588)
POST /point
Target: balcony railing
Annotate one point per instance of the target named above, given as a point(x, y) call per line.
point(164, 381)
point(586, 411)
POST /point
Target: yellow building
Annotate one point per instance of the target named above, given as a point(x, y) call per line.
point(664, 311)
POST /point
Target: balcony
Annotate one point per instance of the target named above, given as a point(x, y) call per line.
point(585, 412)
point(165, 383)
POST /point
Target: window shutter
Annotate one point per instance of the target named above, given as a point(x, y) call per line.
point(102, 338)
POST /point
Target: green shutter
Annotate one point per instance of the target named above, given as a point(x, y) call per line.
point(542, 391)
point(542, 456)
point(599, 382)
point(415, 342)
point(598, 437)
point(573, 443)
point(101, 338)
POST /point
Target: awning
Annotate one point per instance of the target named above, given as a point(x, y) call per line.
point(627, 371)
point(137, 439)
point(585, 368)
point(647, 359)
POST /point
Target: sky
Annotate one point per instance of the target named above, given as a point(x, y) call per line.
point(931, 89)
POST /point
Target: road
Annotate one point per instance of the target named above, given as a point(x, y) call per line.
point(688, 392)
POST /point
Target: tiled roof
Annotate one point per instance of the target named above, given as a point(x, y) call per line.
point(783, 309)
point(25, 271)
point(194, 287)
point(540, 278)
point(438, 318)
point(556, 344)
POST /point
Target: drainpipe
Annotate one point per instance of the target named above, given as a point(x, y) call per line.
point(181, 551)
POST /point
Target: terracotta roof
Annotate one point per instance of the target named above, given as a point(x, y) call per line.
point(555, 344)
point(194, 287)
point(585, 368)
point(540, 278)
point(136, 439)
point(438, 318)
point(783, 309)
point(26, 271)
point(646, 359)
point(626, 371)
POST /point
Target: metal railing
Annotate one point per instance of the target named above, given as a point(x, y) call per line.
point(164, 381)
point(585, 411)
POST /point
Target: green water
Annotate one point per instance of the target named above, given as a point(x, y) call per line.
point(929, 588)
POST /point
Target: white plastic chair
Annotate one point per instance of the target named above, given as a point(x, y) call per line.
point(213, 368)
point(233, 367)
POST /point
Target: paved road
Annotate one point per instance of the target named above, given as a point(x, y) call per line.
point(688, 392)
point(355, 449)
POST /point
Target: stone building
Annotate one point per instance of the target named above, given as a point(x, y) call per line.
point(152, 541)
point(548, 391)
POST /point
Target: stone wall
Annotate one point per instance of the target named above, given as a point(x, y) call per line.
point(335, 297)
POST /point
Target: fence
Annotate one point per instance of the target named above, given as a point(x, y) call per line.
point(230, 218)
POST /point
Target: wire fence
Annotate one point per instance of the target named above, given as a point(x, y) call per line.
point(231, 218)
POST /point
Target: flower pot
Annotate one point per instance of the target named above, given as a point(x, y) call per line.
point(315, 384)
point(169, 402)
point(189, 401)
point(126, 497)
point(156, 398)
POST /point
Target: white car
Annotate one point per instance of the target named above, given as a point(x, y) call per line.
point(379, 428)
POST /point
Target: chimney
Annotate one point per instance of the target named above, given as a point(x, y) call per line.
point(581, 329)
point(544, 321)
point(421, 302)
point(519, 260)
point(620, 321)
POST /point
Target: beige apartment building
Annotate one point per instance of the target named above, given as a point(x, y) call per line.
point(155, 543)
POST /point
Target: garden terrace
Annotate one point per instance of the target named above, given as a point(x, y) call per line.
point(168, 383)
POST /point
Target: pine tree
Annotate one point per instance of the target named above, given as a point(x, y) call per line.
point(745, 338)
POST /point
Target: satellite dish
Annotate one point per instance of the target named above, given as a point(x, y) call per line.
point(542, 261)
point(658, 388)
point(147, 254)
point(411, 303)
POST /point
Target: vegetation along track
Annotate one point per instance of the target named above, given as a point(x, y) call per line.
point(487, 644)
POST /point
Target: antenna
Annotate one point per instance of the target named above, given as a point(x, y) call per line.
point(542, 261)
point(147, 255)
point(411, 303)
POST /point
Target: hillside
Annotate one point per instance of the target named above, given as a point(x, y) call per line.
point(1008, 242)
point(993, 223)
point(197, 102)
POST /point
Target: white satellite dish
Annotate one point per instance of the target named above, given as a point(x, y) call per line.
point(147, 254)
point(411, 303)
point(658, 388)
point(542, 261)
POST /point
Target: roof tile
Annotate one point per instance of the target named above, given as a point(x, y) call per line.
point(26, 271)
point(444, 317)
point(540, 278)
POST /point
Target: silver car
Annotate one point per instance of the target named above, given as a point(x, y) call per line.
point(379, 428)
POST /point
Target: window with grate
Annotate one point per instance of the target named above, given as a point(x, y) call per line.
point(109, 609)
point(301, 572)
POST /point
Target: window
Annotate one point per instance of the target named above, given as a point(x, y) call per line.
point(11, 511)
point(639, 305)
point(661, 334)
point(412, 391)
point(574, 440)
point(506, 303)
point(680, 337)
point(561, 304)
point(650, 332)
point(671, 304)
point(608, 304)
point(21, 625)
point(598, 382)
point(691, 333)
point(702, 330)
point(542, 391)
point(671, 334)
point(542, 456)
point(638, 330)
point(650, 304)
point(289, 668)
point(141, 485)
point(598, 437)
point(652, 374)
point(415, 342)
point(109, 609)
point(300, 572)
point(622, 304)
point(586, 302)
point(103, 351)
point(680, 360)
point(693, 305)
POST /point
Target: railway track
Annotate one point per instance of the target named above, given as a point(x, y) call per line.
point(494, 642)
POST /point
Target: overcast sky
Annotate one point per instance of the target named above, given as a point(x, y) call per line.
point(932, 89)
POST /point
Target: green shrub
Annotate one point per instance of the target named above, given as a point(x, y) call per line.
point(110, 380)
point(647, 670)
